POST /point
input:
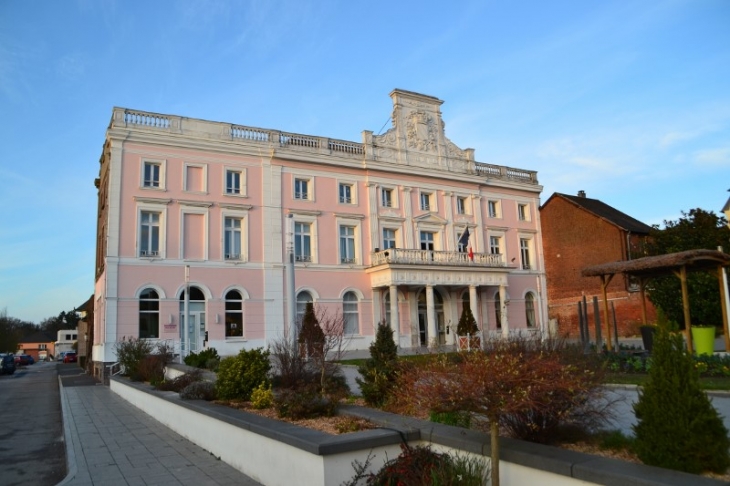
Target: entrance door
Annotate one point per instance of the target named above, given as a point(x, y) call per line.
point(422, 326)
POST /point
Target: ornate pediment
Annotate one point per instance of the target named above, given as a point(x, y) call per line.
point(417, 137)
point(430, 218)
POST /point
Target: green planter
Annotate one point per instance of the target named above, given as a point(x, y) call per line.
point(703, 338)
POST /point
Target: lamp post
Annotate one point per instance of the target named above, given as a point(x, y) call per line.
point(292, 306)
point(185, 341)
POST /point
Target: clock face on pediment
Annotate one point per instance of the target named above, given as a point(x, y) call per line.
point(421, 131)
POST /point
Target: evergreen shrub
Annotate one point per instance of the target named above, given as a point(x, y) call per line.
point(239, 375)
point(380, 370)
point(677, 426)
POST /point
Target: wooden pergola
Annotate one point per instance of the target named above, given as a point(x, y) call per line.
point(677, 264)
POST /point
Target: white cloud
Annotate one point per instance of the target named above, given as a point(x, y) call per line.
point(719, 157)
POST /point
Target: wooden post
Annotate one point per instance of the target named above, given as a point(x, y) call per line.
point(642, 293)
point(605, 280)
point(685, 307)
point(721, 275)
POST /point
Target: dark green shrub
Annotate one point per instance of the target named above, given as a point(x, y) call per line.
point(467, 323)
point(678, 428)
point(239, 375)
point(311, 337)
point(179, 383)
point(199, 390)
point(206, 359)
point(380, 371)
point(304, 402)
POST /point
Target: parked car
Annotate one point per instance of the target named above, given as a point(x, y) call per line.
point(70, 357)
point(60, 356)
point(7, 364)
point(23, 360)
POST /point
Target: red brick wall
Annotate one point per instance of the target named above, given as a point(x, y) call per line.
point(573, 239)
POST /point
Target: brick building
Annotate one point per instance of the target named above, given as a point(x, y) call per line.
point(578, 232)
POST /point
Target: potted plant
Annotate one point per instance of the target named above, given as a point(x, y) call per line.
point(703, 339)
point(467, 331)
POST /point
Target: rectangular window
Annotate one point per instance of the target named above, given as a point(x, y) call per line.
point(495, 245)
point(388, 238)
point(427, 239)
point(151, 176)
point(387, 198)
point(493, 207)
point(461, 205)
point(232, 239)
point(425, 201)
point(525, 253)
point(301, 189)
point(346, 194)
point(523, 212)
point(149, 231)
point(347, 244)
point(233, 181)
point(302, 242)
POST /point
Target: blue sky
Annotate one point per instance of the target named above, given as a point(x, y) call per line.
point(629, 101)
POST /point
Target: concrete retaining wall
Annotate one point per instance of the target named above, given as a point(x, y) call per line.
point(278, 453)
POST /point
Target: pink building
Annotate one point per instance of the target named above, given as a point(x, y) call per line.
point(374, 228)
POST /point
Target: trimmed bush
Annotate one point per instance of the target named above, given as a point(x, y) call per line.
point(678, 428)
point(239, 375)
point(311, 337)
point(206, 359)
point(262, 397)
point(304, 402)
point(199, 390)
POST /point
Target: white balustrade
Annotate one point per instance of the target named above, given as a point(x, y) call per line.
point(433, 257)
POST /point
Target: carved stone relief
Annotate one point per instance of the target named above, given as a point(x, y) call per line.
point(421, 131)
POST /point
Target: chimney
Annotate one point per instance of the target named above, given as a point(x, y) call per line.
point(581, 193)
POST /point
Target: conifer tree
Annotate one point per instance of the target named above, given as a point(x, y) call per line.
point(678, 428)
point(379, 372)
point(467, 324)
point(311, 335)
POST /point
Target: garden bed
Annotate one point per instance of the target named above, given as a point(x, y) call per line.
point(257, 445)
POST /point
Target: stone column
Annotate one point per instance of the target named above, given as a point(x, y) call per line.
point(394, 318)
point(377, 310)
point(433, 335)
point(503, 311)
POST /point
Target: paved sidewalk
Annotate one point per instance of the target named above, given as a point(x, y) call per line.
point(110, 442)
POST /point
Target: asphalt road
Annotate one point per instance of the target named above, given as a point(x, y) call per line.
point(31, 427)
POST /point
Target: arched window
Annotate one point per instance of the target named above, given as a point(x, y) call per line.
point(497, 310)
point(302, 299)
point(349, 313)
point(149, 314)
point(234, 314)
point(530, 309)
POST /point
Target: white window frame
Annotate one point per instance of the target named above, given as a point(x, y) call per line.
point(353, 192)
point(431, 197)
point(241, 312)
point(356, 225)
point(433, 241)
point(526, 244)
point(497, 214)
point(162, 164)
point(500, 244)
point(155, 208)
point(346, 311)
point(243, 181)
point(396, 233)
point(313, 247)
point(531, 312)
point(243, 216)
point(462, 205)
point(296, 195)
point(393, 196)
point(523, 212)
point(186, 165)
